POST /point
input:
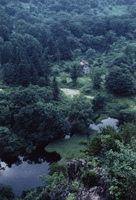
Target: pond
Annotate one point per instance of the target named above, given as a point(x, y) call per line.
point(70, 147)
point(104, 122)
point(24, 174)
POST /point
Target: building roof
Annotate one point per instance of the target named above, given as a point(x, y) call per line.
point(83, 62)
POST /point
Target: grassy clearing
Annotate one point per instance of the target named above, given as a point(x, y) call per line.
point(68, 148)
point(72, 92)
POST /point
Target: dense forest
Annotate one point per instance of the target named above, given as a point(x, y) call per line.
point(41, 46)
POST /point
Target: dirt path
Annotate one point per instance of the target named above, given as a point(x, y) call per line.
point(73, 92)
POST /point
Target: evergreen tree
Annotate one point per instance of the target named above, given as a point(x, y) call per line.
point(6, 53)
point(52, 49)
point(8, 73)
point(120, 81)
point(34, 75)
point(80, 121)
point(120, 172)
point(97, 78)
point(47, 72)
point(64, 48)
point(74, 74)
point(98, 102)
point(17, 55)
point(23, 76)
point(35, 60)
point(55, 89)
point(42, 82)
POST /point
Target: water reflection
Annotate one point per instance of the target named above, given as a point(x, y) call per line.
point(23, 176)
point(24, 173)
point(39, 155)
point(104, 122)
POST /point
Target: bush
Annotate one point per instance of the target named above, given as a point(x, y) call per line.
point(55, 167)
point(120, 81)
point(89, 178)
point(99, 102)
point(120, 171)
point(86, 89)
point(95, 144)
point(6, 192)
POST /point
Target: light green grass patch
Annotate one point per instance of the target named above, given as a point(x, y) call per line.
point(68, 148)
point(83, 80)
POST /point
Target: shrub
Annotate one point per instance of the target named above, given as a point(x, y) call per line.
point(55, 167)
point(120, 81)
point(120, 171)
point(89, 178)
point(6, 192)
point(99, 102)
point(95, 144)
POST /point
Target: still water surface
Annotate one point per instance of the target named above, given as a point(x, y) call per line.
point(25, 175)
point(104, 122)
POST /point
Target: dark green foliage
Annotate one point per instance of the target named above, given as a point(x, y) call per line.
point(126, 132)
point(4, 32)
point(89, 178)
point(9, 143)
point(64, 48)
point(55, 167)
point(22, 26)
point(29, 116)
point(23, 14)
point(34, 77)
point(6, 54)
point(6, 192)
point(120, 81)
point(98, 102)
point(31, 194)
point(19, 54)
point(41, 82)
point(40, 122)
point(126, 115)
point(36, 63)
point(80, 115)
point(87, 88)
point(4, 18)
point(120, 171)
point(23, 76)
point(9, 73)
point(4, 111)
point(116, 22)
point(106, 138)
point(30, 95)
point(55, 89)
point(74, 74)
point(47, 72)
point(95, 146)
point(109, 135)
point(97, 78)
point(57, 29)
point(33, 48)
point(52, 48)
point(5, 25)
